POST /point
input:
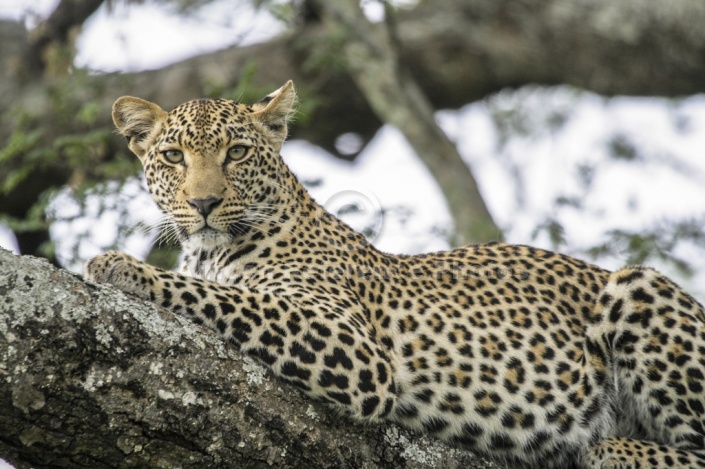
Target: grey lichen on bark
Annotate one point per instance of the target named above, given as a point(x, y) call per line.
point(90, 377)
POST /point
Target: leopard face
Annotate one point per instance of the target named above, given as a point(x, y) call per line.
point(212, 166)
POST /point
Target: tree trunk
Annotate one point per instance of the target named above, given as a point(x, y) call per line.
point(90, 377)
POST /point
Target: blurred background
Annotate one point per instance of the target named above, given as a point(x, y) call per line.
point(573, 126)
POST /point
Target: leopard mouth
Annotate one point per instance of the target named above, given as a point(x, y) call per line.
point(236, 230)
point(208, 237)
point(204, 230)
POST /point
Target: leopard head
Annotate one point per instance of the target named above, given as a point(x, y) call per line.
point(212, 165)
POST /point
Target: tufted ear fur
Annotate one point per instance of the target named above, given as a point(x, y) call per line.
point(275, 110)
point(137, 119)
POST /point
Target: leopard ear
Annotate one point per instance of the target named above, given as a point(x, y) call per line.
point(275, 111)
point(137, 120)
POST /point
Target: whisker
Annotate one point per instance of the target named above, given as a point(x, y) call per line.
point(168, 231)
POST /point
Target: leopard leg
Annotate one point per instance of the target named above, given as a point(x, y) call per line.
point(628, 453)
point(654, 334)
point(299, 338)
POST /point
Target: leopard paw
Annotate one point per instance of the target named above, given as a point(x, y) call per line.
point(120, 270)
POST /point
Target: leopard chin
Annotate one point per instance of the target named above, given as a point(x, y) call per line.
point(207, 238)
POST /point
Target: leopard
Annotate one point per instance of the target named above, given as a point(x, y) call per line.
point(523, 356)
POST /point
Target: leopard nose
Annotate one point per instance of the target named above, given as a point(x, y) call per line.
point(204, 206)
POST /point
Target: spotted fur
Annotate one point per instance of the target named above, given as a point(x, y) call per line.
point(524, 356)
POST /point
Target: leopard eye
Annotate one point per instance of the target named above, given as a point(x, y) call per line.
point(238, 152)
point(173, 156)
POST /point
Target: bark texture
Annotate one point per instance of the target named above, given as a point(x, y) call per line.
point(92, 378)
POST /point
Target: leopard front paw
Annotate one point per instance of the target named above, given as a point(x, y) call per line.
point(120, 270)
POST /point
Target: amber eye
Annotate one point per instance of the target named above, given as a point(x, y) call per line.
point(173, 156)
point(238, 152)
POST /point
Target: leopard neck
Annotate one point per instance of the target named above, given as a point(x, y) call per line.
point(289, 217)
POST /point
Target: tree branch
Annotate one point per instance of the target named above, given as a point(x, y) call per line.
point(457, 51)
point(56, 33)
point(396, 98)
point(92, 378)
